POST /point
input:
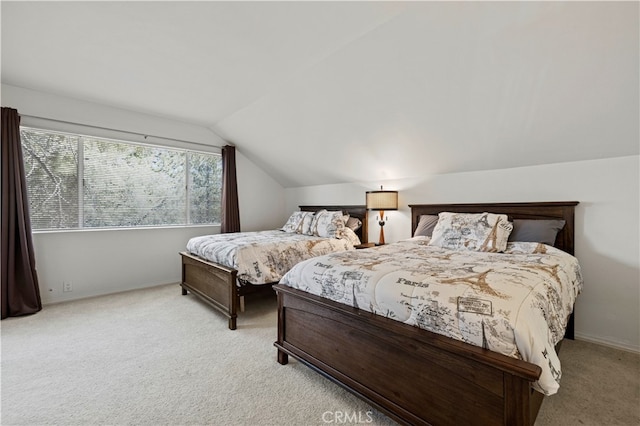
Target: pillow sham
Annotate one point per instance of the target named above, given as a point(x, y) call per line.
point(293, 222)
point(426, 224)
point(348, 234)
point(536, 231)
point(327, 224)
point(305, 224)
point(472, 231)
point(298, 222)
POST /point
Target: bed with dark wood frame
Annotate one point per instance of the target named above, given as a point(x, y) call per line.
point(218, 284)
point(415, 376)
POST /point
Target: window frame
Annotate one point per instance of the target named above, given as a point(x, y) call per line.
point(80, 171)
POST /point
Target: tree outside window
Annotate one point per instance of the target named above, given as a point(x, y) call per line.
point(85, 182)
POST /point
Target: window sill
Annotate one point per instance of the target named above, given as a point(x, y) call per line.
point(132, 228)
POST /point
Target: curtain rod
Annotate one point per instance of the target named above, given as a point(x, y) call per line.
point(144, 135)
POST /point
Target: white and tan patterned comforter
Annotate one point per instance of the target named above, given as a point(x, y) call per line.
point(516, 303)
point(265, 256)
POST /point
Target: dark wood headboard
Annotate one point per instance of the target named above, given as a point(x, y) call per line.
point(530, 210)
point(357, 211)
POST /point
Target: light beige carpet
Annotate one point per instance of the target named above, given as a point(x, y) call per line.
point(154, 357)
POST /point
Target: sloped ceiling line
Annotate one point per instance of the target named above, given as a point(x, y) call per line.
point(331, 92)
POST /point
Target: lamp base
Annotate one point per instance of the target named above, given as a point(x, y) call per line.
point(381, 223)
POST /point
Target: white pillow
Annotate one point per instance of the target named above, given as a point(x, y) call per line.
point(469, 231)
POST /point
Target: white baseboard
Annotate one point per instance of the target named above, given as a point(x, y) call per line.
point(92, 295)
point(608, 343)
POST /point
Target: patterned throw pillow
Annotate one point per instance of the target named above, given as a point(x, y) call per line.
point(299, 222)
point(466, 231)
point(295, 222)
point(327, 224)
point(305, 224)
point(349, 235)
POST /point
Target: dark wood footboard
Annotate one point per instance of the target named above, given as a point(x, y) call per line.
point(213, 283)
point(217, 284)
point(415, 376)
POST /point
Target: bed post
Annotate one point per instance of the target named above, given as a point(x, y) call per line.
point(517, 405)
point(233, 303)
point(283, 357)
point(184, 290)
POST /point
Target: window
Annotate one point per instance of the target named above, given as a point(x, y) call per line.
point(84, 182)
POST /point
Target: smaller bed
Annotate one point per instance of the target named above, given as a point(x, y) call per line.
point(222, 286)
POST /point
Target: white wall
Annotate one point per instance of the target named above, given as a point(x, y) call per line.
point(101, 262)
point(261, 199)
point(607, 232)
point(105, 261)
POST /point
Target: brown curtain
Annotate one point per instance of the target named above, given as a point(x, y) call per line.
point(20, 290)
point(230, 215)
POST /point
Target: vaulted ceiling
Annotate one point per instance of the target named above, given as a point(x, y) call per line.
point(331, 92)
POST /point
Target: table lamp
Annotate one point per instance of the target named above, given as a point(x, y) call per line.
point(380, 201)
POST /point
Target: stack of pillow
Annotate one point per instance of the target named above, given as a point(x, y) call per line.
point(324, 223)
point(484, 231)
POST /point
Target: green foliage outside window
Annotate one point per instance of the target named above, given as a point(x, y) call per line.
point(84, 182)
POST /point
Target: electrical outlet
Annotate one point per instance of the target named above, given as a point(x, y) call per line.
point(67, 286)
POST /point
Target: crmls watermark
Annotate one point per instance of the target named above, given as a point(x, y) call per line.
point(343, 417)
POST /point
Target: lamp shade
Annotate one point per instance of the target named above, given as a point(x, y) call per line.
point(382, 200)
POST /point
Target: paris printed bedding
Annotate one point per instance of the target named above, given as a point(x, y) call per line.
point(516, 303)
point(263, 257)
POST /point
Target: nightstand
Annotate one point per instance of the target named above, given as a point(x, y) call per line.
point(365, 245)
